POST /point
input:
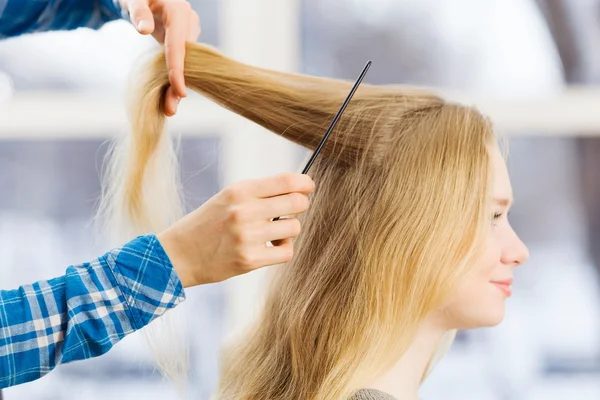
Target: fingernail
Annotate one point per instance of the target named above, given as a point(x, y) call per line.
point(143, 25)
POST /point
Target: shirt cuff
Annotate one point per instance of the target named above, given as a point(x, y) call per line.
point(147, 279)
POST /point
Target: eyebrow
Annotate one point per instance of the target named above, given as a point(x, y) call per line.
point(503, 201)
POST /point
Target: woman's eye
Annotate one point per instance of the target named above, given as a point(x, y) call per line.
point(495, 218)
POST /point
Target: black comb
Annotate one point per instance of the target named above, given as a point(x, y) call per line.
point(335, 121)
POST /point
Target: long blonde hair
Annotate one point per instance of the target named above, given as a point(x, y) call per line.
point(399, 213)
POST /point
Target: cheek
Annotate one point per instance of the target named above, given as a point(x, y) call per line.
point(489, 260)
point(476, 302)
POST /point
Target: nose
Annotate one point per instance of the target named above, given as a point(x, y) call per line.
point(515, 252)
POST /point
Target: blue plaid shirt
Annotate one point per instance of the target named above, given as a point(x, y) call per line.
point(85, 312)
point(94, 305)
point(26, 16)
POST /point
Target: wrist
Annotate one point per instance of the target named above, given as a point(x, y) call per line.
point(178, 258)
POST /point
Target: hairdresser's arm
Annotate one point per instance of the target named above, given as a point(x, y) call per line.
point(94, 305)
point(85, 312)
point(18, 17)
point(170, 22)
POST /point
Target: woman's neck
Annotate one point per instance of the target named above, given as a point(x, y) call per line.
point(404, 378)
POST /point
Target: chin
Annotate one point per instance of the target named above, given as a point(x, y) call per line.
point(494, 316)
point(487, 315)
point(485, 309)
point(495, 321)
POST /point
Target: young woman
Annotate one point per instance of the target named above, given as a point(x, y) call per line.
point(406, 240)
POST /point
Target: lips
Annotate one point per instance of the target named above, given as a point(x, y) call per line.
point(507, 281)
point(504, 286)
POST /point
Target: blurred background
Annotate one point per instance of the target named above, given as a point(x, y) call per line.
point(533, 66)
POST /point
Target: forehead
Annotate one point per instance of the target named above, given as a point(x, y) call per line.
point(502, 187)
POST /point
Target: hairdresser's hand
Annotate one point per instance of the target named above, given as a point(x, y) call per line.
point(227, 236)
point(172, 22)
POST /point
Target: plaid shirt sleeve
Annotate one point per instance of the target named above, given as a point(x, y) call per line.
point(18, 17)
point(85, 312)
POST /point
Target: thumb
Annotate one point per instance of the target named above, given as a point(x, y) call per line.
point(140, 15)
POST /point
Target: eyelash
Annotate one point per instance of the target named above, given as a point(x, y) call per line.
point(497, 216)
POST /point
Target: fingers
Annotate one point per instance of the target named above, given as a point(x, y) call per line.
point(140, 15)
point(279, 230)
point(194, 27)
point(282, 253)
point(171, 102)
point(280, 184)
point(279, 234)
point(247, 210)
point(287, 204)
point(176, 19)
point(171, 98)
